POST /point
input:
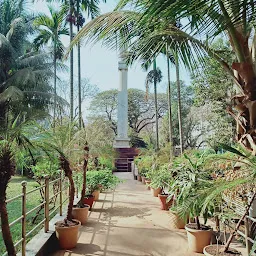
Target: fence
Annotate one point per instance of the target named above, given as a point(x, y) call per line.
point(246, 230)
point(44, 205)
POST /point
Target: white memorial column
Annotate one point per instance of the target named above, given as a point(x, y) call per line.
point(122, 140)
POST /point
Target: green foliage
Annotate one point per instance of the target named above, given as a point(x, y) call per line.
point(106, 163)
point(144, 164)
point(209, 81)
point(190, 183)
point(160, 178)
point(46, 167)
point(137, 141)
point(140, 109)
point(99, 180)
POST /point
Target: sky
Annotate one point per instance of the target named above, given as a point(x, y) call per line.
point(100, 64)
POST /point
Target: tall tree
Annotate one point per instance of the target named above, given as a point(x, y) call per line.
point(233, 19)
point(170, 124)
point(24, 74)
point(51, 28)
point(177, 68)
point(154, 77)
point(141, 111)
point(92, 10)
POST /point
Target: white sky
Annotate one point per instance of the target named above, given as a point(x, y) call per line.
point(100, 64)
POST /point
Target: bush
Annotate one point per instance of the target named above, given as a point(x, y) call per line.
point(160, 178)
point(103, 179)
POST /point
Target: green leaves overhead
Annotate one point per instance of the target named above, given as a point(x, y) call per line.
point(50, 29)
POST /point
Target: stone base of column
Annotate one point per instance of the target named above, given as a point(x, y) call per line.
point(121, 143)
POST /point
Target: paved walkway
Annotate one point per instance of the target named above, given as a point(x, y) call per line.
point(129, 222)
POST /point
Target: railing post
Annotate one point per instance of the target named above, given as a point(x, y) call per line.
point(77, 187)
point(61, 193)
point(46, 206)
point(23, 221)
point(247, 234)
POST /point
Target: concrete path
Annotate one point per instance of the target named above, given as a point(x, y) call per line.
point(129, 222)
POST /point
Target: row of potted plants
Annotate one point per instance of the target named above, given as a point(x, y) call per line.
point(91, 183)
point(190, 189)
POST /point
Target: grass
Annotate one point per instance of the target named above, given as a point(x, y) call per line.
point(15, 208)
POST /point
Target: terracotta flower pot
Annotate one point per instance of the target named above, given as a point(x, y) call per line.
point(139, 178)
point(89, 200)
point(212, 250)
point(198, 239)
point(165, 205)
point(67, 236)
point(81, 214)
point(143, 179)
point(176, 222)
point(156, 191)
point(148, 184)
point(96, 195)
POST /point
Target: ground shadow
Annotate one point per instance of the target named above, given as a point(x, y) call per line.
point(124, 212)
point(85, 249)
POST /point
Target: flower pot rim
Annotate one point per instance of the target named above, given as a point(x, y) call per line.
point(85, 206)
point(163, 195)
point(89, 196)
point(69, 227)
point(209, 254)
point(197, 230)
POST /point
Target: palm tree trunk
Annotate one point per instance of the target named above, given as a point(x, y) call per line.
point(71, 197)
point(71, 7)
point(179, 101)
point(79, 72)
point(7, 236)
point(169, 105)
point(65, 166)
point(156, 106)
point(55, 85)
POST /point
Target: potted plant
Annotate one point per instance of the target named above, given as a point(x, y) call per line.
point(144, 164)
point(190, 180)
point(108, 180)
point(159, 179)
point(94, 184)
point(147, 181)
point(165, 200)
point(67, 230)
point(247, 164)
point(143, 174)
point(80, 210)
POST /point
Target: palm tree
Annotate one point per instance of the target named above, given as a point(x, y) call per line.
point(11, 140)
point(179, 101)
point(92, 9)
point(233, 19)
point(153, 77)
point(51, 28)
point(168, 58)
point(24, 74)
point(7, 170)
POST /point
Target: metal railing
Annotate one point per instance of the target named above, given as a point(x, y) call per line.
point(245, 233)
point(44, 205)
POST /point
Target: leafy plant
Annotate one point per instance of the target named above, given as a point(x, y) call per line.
point(160, 178)
point(189, 186)
point(46, 166)
point(103, 179)
point(144, 164)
